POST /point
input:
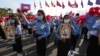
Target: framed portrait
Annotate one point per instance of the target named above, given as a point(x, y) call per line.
point(65, 31)
point(9, 32)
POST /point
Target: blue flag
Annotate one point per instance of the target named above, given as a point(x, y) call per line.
point(98, 2)
point(90, 3)
point(90, 21)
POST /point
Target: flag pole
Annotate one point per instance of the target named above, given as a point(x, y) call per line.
point(45, 7)
point(40, 4)
point(51, 7)
point(34, 7)
point(56, 7)
point(62, 7)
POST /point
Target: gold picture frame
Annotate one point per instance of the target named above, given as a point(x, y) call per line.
point(67, 28)
point(9, 32)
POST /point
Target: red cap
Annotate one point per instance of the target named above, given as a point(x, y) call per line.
point(30, 17)
point(48, 17)
point(91, 11)
point(1, 19)
point(96, 11)
point(81, 19)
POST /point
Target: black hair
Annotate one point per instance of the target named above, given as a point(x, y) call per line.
point(77, 14)
point(64, 18)
point(42, 12)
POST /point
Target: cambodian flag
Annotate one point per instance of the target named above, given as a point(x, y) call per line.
point(25, 6)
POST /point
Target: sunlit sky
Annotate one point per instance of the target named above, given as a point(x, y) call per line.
point(14, 4)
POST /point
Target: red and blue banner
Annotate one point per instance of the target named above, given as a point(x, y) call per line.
point(25, 6)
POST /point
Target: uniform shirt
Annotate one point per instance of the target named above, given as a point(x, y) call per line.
point(57, 23)
point(18, 29)
point(52, 23)
point(42, 28)
point(96, 26)
point(57, 32)
point(75, 27)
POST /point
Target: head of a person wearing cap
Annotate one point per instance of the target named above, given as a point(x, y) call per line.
point(66, 18)
point(29, 14)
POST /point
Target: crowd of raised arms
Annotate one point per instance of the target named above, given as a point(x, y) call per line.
point(66, 29)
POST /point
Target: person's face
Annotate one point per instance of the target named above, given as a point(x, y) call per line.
point(39, 14)
point(66, 17)
point(77, 16)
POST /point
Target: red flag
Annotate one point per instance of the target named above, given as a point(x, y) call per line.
point(40, 5)
point(34, 5)
point(63, 6)
point(46, 4)
point(75, 5)
point(58, 4)
point(53, 4)
point(71, 14)
point(69, 4)
point(60, 15)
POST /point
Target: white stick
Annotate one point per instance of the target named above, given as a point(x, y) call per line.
point(82, 40)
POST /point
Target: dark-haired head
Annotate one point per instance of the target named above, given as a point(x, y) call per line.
point(41, 13)
point(77, 14)
point(66, 16)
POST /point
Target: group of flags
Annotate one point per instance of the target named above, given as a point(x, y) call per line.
point(75, 5)
point(27, 7)
point(52, 4)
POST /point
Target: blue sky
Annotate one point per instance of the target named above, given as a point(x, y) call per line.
point(14, 4)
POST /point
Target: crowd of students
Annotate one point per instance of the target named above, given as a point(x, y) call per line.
point(68, 30)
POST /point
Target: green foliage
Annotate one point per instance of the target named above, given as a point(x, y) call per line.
point(7, 11)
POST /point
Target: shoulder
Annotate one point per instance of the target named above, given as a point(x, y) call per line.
point(47, 23)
